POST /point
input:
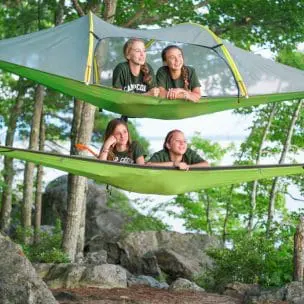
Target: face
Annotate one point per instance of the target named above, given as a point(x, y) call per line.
point(177, 144)
point(174, 59)
point(121, 134)
point(137, 53)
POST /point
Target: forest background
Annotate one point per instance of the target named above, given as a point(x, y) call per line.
point(251, 217)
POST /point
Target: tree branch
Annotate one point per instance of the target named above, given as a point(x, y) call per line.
point(135, 18)
point(294, 198)
point(78, 8)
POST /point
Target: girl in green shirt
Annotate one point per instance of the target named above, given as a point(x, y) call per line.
point(174, 79)
point(177, 154)
point(118, 145)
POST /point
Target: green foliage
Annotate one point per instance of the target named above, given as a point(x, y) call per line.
point(267, 262)
point(47, 249)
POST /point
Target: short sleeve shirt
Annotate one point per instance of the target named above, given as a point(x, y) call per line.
point(164, 79)
point(129, 157)
point(190, 157)
point(123, 79)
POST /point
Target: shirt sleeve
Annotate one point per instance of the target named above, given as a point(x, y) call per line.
point(156, 158)
point(161, 78)
point(193, 157)
point(118, 77)
point(194, 79)
point(137, 150)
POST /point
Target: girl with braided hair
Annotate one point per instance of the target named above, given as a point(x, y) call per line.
point(174, 79)
point(118, 145)
point(135, 75)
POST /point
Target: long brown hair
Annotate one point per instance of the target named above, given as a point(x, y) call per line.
point(144, 67)
point(184, 70)
point(169, 137)
point(109, 132)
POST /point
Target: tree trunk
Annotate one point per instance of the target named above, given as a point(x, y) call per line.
point(286, 147)
point(38, 199)
point(258, 158)
point(227, 214)
point(299, 252)
point(8, 175)
point(29, 167)
point(82, 128)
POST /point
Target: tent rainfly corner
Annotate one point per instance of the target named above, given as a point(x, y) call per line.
point(77, 58)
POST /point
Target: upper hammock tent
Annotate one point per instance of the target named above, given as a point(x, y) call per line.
point(77, 58)
point(149, 179)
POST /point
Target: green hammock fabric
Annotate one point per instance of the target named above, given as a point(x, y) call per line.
point(152, 180)
point(135, 105)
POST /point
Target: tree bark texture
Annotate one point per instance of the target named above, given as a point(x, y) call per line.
point(8, 170)
point(39, 183)
point(299, 252)
point(29, 167)
point(73, 239)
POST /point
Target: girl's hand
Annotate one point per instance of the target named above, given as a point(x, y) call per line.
point(110, 142)
point(181, 166)
point(154, 92)
point(173, 93)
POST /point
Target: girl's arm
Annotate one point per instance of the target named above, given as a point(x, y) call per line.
point(140, 160)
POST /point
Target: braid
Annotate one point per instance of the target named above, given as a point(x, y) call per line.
point(185, 75)
point(146, 71)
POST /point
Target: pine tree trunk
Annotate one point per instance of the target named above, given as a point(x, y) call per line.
point(258, 158)
point(286, 147)
point(299, 252)
point(29, 167)
point(39, 183)
point(8, 175)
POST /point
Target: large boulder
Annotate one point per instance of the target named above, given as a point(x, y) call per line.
point(86, 275)
point(102, 221)
point(19, 282)
point(176, 254)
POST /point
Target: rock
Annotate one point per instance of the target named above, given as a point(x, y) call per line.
point(76, 276)
point(64, 275)
point(240, 290)
point(104, 276)
point(102, 222)
point(294, 292)
point(146, 281)
point(178, 255)
point(19, 282)
point(96, 258)
point(184, 284)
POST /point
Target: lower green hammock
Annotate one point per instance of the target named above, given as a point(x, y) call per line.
point(136, 105)
point(148, 179)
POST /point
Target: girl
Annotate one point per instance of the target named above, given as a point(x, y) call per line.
point(118, 146)
point(174, 79)
point(177, 154)
point(135, 75)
